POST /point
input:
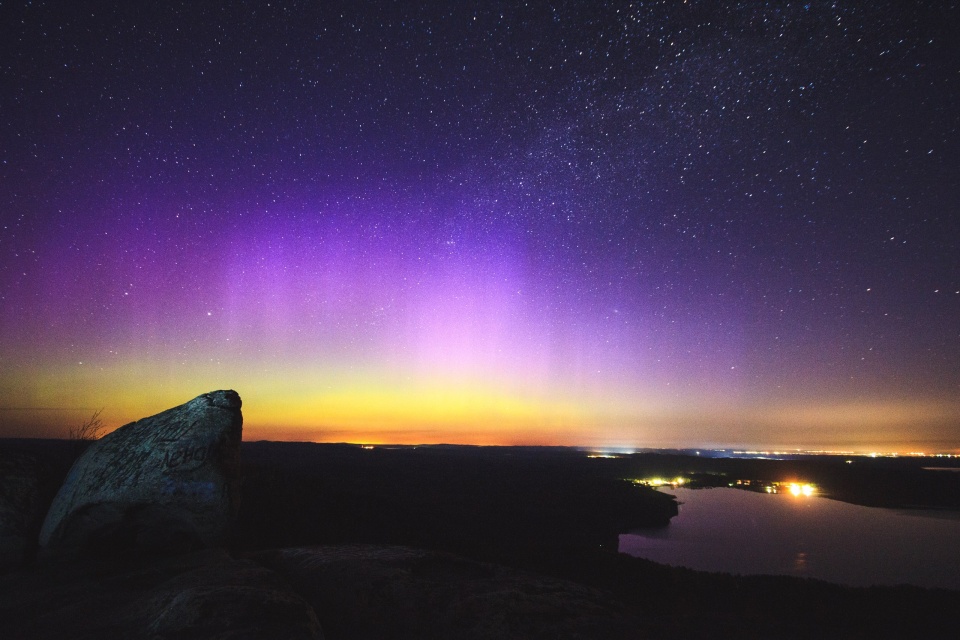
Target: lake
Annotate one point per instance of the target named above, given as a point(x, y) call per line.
point(742, 532)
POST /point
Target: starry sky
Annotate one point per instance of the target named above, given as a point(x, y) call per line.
point(608, 224)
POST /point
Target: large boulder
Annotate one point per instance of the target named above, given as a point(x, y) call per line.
point(164, 483)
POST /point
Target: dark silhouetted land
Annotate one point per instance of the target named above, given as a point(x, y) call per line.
point(558, 513)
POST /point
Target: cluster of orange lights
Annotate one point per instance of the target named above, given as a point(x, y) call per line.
point(793, 488)
point(661, 482)
point(801, 489)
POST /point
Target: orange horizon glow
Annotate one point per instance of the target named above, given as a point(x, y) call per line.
point(465, 415)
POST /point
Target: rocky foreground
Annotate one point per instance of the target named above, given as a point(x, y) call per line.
point(134, 545)
point(184, 540)
point(356, 591)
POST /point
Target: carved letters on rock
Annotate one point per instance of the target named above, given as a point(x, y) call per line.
point(170, 480)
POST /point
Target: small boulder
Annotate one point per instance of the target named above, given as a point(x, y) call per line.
point(19, 506)
point(169, 482)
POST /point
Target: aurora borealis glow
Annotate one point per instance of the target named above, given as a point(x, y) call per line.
point(601, 224)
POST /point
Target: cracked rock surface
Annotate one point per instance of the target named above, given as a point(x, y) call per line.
point(167, 482)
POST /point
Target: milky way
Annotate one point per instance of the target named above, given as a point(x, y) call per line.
point(608, 224)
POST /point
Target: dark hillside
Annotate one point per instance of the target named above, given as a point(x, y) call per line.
point(555, 511)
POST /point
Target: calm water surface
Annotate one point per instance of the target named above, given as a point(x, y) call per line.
point(742, 532)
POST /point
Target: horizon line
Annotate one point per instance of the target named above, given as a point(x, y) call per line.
point(609, 449)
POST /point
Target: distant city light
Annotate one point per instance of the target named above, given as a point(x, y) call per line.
point(801, 489)
point(793, 488)
point(660, 482)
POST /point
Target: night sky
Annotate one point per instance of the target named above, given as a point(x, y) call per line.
point(605, 224)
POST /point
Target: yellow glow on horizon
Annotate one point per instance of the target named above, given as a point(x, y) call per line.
point(371, 415)
point(375, 404)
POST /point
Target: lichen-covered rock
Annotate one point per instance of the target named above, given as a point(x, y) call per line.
point(167, 482)
point(19, 506)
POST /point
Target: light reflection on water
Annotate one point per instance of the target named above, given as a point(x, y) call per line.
point(743, 532)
